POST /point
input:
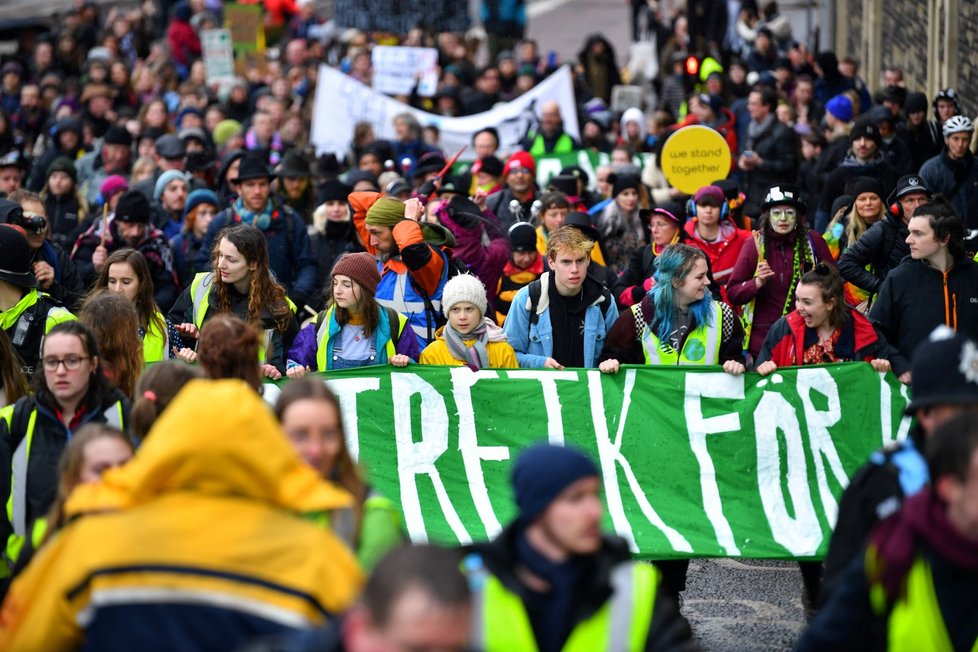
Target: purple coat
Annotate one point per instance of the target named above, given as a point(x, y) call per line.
point(304, 347)
point(483, 246)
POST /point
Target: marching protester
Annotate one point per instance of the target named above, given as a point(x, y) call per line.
point(354, 330)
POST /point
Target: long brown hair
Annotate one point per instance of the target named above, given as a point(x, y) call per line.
point(228, 348)
point(263, 291)
point(827, 279)
point(344, 473)
point(146, 308)
point(70, 467)
point(156, 388)
point(12, 378)
point(115, 324)
point(369, 309)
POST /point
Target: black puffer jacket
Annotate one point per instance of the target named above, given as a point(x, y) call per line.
point(882, 246)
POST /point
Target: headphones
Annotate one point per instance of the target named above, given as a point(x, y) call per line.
point(691, 208)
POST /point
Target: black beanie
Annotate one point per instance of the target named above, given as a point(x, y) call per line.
point(132, 207)
point(63, 164)
point(542, 472)
point(860, 185)
point(915, 103)
point(333, 191)
point(624, 182)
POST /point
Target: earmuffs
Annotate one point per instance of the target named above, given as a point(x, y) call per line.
point(724, 208)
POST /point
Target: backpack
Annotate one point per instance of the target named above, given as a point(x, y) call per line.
point(536, 289)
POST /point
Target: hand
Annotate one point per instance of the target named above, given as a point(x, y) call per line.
point(296, 372)
point(905, 378)
point(479, 198)
point(400, 360)
point(185, 354)
point(188, 329)
point(734, 368)
point(99, 256)
point(766, 368)
point(413, 209)
point(880, 364)
point(609, 366)
point(44, 274)
point(269, 371)
point(763, 273)
point(552, 364)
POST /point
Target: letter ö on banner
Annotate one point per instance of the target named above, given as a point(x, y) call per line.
point(473, 455)
point(551, 398)
point(609, 453)
point(801, 534)
point(346, 390)
point(722, 386)
point(418, 458)
point(819, 439)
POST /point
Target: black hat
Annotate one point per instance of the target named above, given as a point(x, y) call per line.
point(881, 114)
point(10, 212)
point(577, 171)
point(252, 167)
point(333, 191)
point(522, 237)
point(169, 146)
point(295, 166)
point(783, 194)
point(153, 133)
point(565, 183)
point(327, 166)
point(197, 161)
point(667, 209)
point(63, 164)
point(866, 128)
point(132, 207)
point(859, 185)
point(12, 159)
point(490, 165)
point(194, 133)
point(356, 176)
point(623, 182)
point(915, 103)
point(431, 162)
point(75, 125)
point(842, 201)
point(582, 222)
point(15, 258)
point(452, 183)
point(116, 135)
point(907, 184)
point(944, 370)
point(729, 187)
point(464, 211)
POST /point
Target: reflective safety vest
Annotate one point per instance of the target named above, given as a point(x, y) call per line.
point(23, 324)
point(384, 348)
point(564, 145)
point(200, 294)
point(156, 345)
point(396, 291)
point(915, 622)
point(702, 345)
point(17, 502)
point(500, 621)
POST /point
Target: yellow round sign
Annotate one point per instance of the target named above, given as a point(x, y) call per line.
point(695, 156)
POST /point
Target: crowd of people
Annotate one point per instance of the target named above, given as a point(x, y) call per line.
point(168, 246)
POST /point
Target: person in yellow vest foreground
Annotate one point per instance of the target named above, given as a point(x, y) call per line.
point(209, 557)
point(916, 587)
point(677, 323)
point(552, 581)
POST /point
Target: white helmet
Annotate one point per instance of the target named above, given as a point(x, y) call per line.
point(958, 124)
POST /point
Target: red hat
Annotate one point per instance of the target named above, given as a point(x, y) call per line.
point(520, 160)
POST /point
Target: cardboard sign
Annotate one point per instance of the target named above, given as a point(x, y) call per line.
point(695, 156)
point(397, 69)
point(247, 26)
point(218, 55)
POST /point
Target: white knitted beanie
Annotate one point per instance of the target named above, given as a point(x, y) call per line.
point(464, 287)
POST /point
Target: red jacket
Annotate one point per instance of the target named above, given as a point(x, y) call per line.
point(723, 252)
point(183, 41)
point(785, 342)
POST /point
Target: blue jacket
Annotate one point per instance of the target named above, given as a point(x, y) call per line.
point(290, 259)
point(533, 343)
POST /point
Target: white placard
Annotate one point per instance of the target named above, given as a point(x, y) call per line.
point(397, 69)
point(218, 55)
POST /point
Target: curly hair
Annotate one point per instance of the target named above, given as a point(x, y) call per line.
point(146, 308)
point(115, 324)
point(228, 348)
point(263, 290)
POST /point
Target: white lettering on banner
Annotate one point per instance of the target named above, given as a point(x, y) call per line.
point(551, 398)
point(819, 439)
point(609, 453)
point(886, 413)
point(346, 390)
point(722, 386)
point(416, 458)
point(473, 455)
point(801, 534)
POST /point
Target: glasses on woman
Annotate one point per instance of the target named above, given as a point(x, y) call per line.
point(71, 362)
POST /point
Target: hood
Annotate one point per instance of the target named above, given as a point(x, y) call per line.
point(217, 438)
point(633, 114)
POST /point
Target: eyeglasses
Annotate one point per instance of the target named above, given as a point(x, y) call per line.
point(783, 213)
point(520, 171)
point(71, 363)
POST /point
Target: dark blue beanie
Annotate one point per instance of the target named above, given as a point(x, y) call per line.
point(542, 472)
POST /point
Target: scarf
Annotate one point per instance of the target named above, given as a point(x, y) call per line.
point(475, 357)
point(756, 129)
point(275, 147)
point(557, 604)
point(893, 545)
point(261, 220)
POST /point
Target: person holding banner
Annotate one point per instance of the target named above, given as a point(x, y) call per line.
point(553, 581)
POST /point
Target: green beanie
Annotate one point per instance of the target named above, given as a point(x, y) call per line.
point(386, 211)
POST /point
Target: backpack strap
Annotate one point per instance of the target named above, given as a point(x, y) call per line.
point(395, 324)
point(536, 289)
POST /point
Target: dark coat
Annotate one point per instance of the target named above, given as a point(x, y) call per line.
point(882, 246)
point(778, 148)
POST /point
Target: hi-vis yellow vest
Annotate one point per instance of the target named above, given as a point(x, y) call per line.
point(384, 337)
point(702, 345)
point(500, 622)
point(915, 621)
point(156, 345)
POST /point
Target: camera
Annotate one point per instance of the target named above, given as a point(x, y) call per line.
point(33, 223)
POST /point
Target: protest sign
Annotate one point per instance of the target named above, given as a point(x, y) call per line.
point(218, 55)
point(695, 156)
point(403, 16)
point(342, 101)
point(397, 69)
point(247, 27)
point(695, 462)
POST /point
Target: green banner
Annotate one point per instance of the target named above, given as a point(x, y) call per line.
point(695, 463)
point(550, 165)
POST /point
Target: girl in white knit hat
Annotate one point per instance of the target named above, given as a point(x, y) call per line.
point(469, 338)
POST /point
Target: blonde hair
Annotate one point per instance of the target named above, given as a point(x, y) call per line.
point(570, 240)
